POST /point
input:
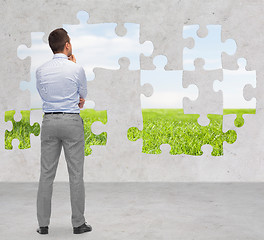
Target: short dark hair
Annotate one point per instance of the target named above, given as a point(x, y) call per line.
point(58, 39)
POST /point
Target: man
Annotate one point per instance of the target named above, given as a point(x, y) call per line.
point(62, 86)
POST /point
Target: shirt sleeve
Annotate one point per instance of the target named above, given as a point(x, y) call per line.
point(38, 82)
point(82, 83)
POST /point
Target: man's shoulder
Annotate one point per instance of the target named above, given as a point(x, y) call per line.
point(74, 66)
point(69, 65)
point(44, 65)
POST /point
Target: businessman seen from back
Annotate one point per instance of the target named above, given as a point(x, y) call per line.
point(62, 86)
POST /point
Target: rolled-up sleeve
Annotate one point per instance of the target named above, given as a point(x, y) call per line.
point(82, 83)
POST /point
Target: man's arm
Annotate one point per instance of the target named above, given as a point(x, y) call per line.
point(82, 84)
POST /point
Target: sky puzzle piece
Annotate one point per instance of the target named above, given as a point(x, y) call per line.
point(168, 91)
point(210, 47)
point(233, 84)
point(208, 101)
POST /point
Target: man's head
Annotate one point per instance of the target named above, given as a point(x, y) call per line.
point(59, 42)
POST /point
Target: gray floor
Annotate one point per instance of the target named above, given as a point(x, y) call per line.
point(171, 211)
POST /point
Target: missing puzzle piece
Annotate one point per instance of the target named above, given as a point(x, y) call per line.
point(168, 91)
point(183, 134)
point(209, 47)
point(238, 88)
point(208, 101)
point(21, 130)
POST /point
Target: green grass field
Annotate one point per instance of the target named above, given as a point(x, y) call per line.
point(172, 126)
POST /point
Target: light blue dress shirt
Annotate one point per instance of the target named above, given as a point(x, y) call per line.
point(61, 83)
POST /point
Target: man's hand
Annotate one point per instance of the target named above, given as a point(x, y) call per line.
point(81, 103)
point(72, 58)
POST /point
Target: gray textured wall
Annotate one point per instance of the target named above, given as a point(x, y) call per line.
point(161, 22)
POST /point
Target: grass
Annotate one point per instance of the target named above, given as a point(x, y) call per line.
point(171, 126)
point(21, 130)
point(181, 131)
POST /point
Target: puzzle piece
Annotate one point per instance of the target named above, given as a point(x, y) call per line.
point(90, 116)
point(208, 102)
point(101, 40)
point(233, 85)
point(182, 133)
point(167, 85)
point(209, 48)
point(123, 107)
point(38, 48)
point(171, 46)
point(21, 130)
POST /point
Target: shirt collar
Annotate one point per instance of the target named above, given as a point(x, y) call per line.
point(60, 55)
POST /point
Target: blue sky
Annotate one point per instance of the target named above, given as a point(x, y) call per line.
point(97, 45)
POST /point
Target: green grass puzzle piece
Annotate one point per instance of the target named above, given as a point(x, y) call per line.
point(181, 131)
point(90, 116)
point(21, 130)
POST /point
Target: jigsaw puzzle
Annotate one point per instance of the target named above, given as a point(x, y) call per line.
point(122, 88)
point(162, 130)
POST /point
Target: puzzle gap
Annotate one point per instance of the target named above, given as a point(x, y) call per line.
point(21, 130)
point(181, 131)
point(209, 48)
point(90, 116)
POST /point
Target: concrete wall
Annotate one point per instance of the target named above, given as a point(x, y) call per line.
point(161, 22)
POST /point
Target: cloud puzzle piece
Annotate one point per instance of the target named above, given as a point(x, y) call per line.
point(210, 47)
point(208, 101)
point(237, 87)
point(168, 91)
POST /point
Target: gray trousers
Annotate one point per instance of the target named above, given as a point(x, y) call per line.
point(57, 131)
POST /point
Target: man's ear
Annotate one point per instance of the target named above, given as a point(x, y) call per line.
point(67, 45)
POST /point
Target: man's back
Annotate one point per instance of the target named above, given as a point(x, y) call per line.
point(61, 83)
